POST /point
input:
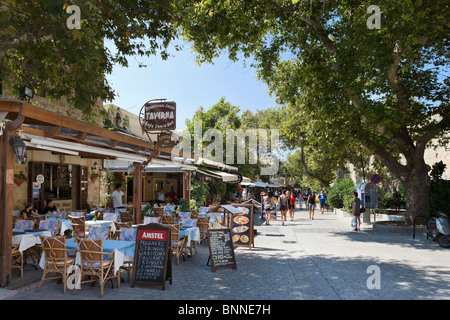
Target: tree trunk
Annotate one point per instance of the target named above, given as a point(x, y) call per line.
point(417, 186)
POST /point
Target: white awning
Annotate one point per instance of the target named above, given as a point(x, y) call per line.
point(225, 176)
point(247, 184)
point(61, 146)
point(154, 165)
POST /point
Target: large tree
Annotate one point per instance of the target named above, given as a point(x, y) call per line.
point(43, 46)
point(341, 77)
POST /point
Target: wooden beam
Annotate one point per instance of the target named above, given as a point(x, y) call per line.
point(6, 207)
point(16, 123)
point(53, 132)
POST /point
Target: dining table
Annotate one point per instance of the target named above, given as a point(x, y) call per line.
point(27, 239)
point(123, 252)
point(192, 233)
point(101, 223)
point(65, 225)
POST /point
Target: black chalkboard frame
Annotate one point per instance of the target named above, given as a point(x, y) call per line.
point(211, 259)
point(168, 256)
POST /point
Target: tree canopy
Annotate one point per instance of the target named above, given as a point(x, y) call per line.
point(341, 84)
point(38, 49)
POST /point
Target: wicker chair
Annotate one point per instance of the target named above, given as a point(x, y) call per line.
point(17, 259)
point(203, 225)
point(79, 223)
point(95, 265)
point(194, 214)
point(158, 212)
point(166, 219)
point(178, 243)
point(126, 216)
point(56, 259)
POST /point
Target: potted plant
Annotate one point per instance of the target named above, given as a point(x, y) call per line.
point(184, 205)
point(19, 178)
point(94, 177)
point(95, 215)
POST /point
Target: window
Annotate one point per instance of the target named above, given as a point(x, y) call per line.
point(58, 181)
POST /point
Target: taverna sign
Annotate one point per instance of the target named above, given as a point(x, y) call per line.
point(158, 115)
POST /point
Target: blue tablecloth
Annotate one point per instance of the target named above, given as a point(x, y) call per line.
point(126, 247)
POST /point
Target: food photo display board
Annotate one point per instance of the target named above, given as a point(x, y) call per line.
point(241, 225)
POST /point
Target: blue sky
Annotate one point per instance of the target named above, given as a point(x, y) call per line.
point(179, 79)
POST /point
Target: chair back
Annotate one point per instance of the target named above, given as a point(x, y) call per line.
point(50, 225)
point(202, 223)
point(54, 247)
point(152, 220)
point(174, 234)
point(158, 212)
point(91, 250)
point(109, 216)
point(189, 223)
point(166, 219)
point(99, 233)
point(126, 216)
point(184, 215)
point(24, 224)
point(127, 234)
point(194, 214)
point(77, 213)
point(78, 223)
point(169, 208)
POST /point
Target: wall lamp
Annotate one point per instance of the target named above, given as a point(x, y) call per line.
point(19, 147)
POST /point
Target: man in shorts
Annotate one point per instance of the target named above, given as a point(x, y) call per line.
point(322, 201)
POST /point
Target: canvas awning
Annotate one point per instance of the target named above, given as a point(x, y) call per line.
point(225, 176)
point(260, 184)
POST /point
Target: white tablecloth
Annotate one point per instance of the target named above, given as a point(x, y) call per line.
point(27, 240)
point(192, 233)
point(101, 223)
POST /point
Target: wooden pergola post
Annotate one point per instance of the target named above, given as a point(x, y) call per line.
point(6, 207)
point(137, 186)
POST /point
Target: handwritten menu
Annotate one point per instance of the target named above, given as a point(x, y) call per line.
point(152, 263)
point(241, 225)
point(221, 251)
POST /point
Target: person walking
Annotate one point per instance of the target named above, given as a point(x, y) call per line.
point(322, 201)
point(269, 206)
point(311, 204)
point(305, 198)
point(291, 206)
point(284, 200)
point(356, 205)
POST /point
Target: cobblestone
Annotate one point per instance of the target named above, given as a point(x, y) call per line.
point(321, 259)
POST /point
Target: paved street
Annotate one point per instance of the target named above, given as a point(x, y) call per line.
point(305, 259)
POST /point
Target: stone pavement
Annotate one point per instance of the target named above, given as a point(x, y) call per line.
point(304, 259)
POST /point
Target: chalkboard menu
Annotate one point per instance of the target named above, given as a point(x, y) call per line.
point(221, 251)
point(241, 225)
point(152, 255)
